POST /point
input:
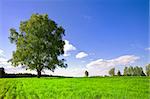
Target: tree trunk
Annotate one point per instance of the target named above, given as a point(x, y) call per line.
point(38, 73)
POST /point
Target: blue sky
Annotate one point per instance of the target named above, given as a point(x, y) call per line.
point(101, 29)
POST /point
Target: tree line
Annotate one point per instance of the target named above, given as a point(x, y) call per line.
point(128, 71)
point(131, 71)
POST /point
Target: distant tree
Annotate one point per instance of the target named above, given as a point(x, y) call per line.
point(38, 44)
point(86, 73)
point(136, 71)
point(141, 71)
point(143, 74)
point(130, 71)
point(2, 72)
point(148, 70)
point(119, 73)
point(112, 72)
point(133, 71)
point(125, 71)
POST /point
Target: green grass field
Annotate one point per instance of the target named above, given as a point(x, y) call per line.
point(75, 88)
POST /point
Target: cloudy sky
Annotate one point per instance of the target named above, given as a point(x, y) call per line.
point(100, 34)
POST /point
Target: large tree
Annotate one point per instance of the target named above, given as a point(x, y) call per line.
point(39, 43)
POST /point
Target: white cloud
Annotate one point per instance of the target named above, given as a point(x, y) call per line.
point(1, 53)
point(72, 72)
point(8, 67)
point(19, 69)
point(81, 55)
point(66, 54)
point(122, 60)
point(3, 60)
point(68, 47)
point(102, 66)
point(11, 69)
point(148, 49)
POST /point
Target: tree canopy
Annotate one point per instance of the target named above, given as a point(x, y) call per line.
point(39, 43)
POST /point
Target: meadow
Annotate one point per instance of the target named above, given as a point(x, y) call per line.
point(75, 88)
